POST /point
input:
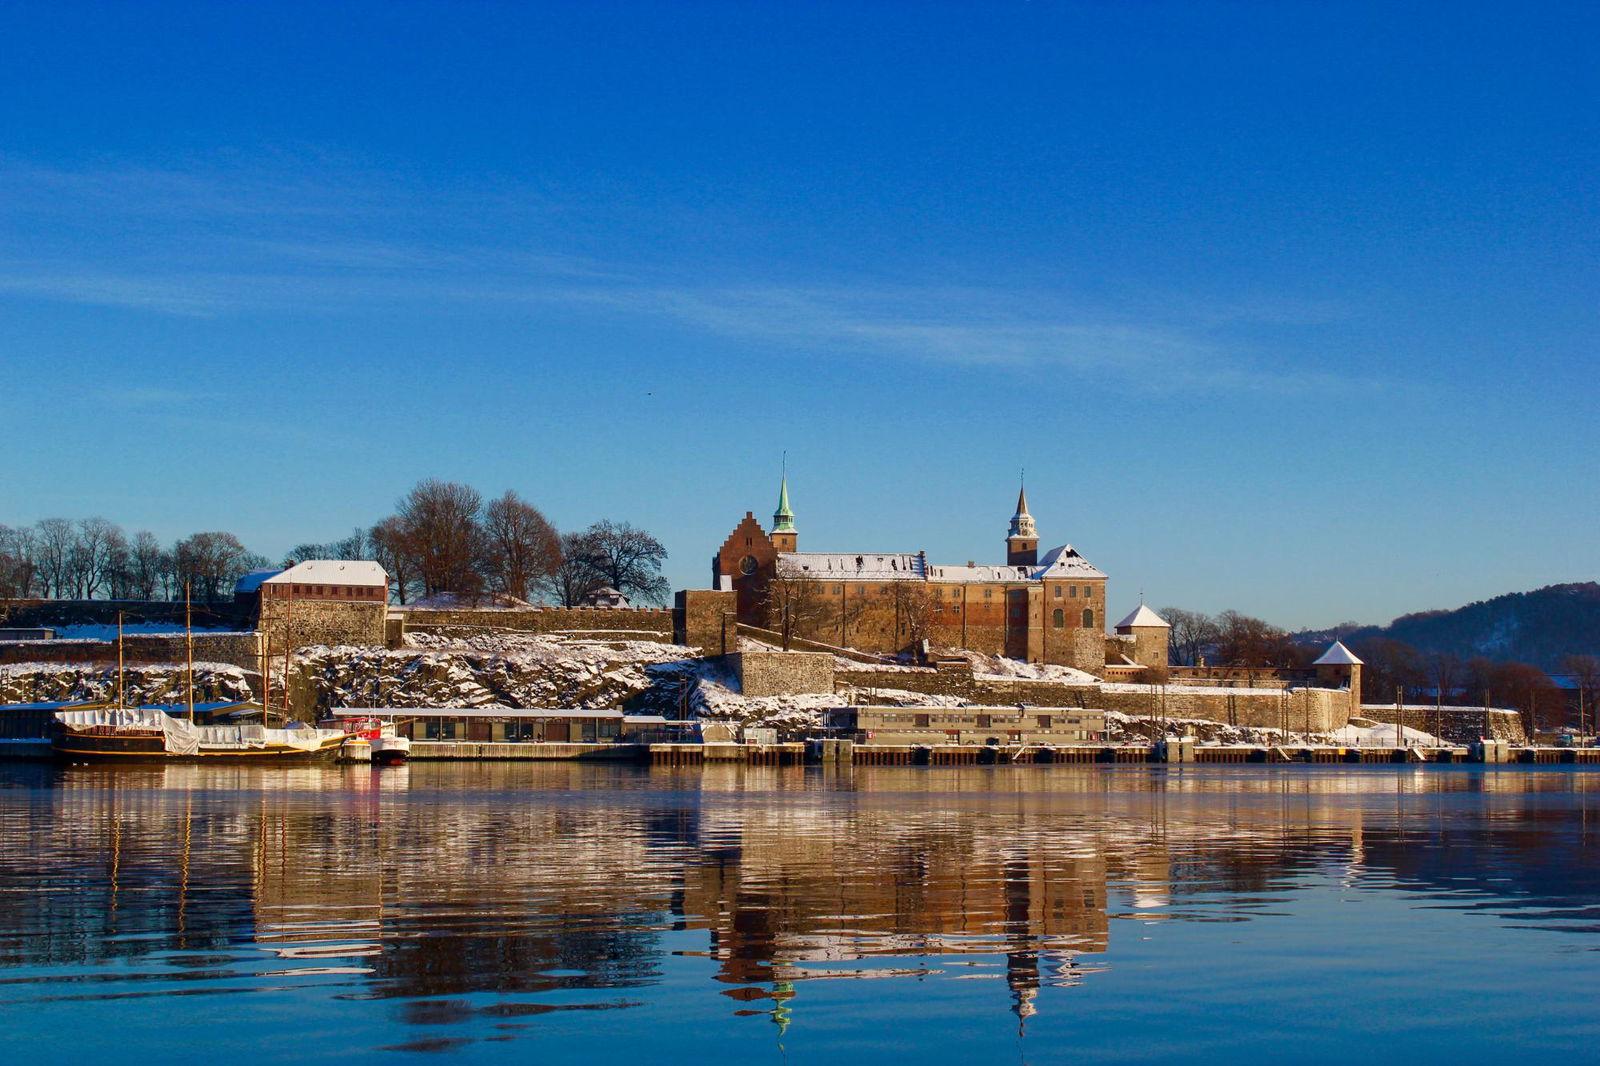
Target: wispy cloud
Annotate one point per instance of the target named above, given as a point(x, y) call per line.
point(210, 242)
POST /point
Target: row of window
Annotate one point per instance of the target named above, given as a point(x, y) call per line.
point(347, 591)
point(1072, 591)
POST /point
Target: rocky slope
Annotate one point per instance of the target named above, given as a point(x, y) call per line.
point(54, 683)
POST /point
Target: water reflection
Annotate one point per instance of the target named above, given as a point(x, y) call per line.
point(480, 901)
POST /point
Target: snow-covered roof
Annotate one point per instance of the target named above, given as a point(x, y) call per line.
point(982, 572)
point(1144, 616)
point(333, 572)
point(1058, 563)
point(252, 581)
point(1338, 655)
point(853, 566)
point(1065, 562)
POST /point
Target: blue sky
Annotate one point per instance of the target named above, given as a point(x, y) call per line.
point(1287, 308)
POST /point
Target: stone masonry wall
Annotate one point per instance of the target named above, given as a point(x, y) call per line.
point(706, 619)
point(779, 673)
point(1456, 724)
point(647, 623)
point(1327, 708)
point(1319, 709)
point(322, 622)
point(33, 613)
point(236, 649)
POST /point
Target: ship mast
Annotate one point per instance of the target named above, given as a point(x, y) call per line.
point(288, 647)
point(119, 661)
point(188, 643)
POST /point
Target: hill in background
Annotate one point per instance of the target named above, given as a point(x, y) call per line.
point(1541, 627)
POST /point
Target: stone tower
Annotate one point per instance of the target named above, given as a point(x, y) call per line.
point(1150, 633)
point(1339, 668)
point(1022, 545)
point(784, 536)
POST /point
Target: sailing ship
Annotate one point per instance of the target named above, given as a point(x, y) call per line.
point(123, 733)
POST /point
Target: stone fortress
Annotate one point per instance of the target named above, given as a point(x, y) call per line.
point(1042, 608)
point(1027, 633)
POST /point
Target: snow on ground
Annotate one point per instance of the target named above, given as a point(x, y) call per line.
point(89, 682)
point(992, 666)
point(131, 629)
point(1374, 736)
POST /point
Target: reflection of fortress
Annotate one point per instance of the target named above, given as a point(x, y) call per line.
point(486, 891)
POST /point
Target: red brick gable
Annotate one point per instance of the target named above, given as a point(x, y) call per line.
point(747, 541)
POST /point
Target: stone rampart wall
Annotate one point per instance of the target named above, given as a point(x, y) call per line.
point(706, 619)
point(1326, 709)
point(236, 649)
point(1318, 709)
point(649, 623)
point(1455, 724)
point(54, 614)
point(778, 673)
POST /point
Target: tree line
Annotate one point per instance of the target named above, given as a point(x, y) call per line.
point(1392, 669)
point(94, 558)
point(442, 538)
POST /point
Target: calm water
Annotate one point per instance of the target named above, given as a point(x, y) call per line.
point(565, 913)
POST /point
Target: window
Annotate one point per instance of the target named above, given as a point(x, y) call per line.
point(1088, 617)
point(988, 594)
point(838, 590)
point(1074, 591)
point(861, 590)
point(1044, 721)
point(984, 721)
point(921, 721)
point(1059, 619)
point(1088, 591)
point(1058, 592)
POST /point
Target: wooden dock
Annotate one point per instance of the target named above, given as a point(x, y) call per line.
point(540, 751)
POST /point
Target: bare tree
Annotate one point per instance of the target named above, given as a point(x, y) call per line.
point(628, 559)
point(913, 608)
point(211, 563)
point(146, 562)
point(440, 520)
point(1585, 670)
point(393, 552)
point(797, 607)
point(573, 578)
point(521, 547)
point(1247, 641)
point(1445, 671)
point(16, 562)
point(1390, 665)
point(55, 538)
point(97, 549)
point(1191, 633)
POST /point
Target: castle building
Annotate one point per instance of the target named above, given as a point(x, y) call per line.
point(1043, 608)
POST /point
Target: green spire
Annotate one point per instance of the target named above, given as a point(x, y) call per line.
point(783, 518)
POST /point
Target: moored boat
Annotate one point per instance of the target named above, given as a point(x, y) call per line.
point(373, 738)
point(389, 748)
point(151, 733)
